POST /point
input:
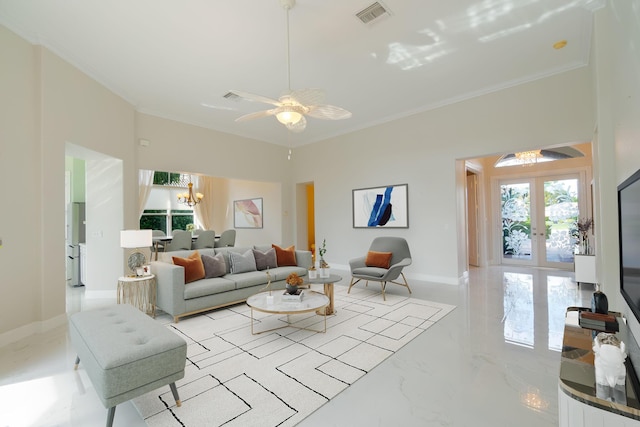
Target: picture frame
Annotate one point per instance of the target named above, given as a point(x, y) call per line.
point(381, 207)
point(247, 213)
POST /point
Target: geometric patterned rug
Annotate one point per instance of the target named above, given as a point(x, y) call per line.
point(278, 378)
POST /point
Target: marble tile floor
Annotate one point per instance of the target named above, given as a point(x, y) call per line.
point(493, 361)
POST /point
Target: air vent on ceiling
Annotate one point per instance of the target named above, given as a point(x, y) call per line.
point(231, 96)
point(374, 12)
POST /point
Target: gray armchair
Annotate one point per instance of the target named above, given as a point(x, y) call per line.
point(400, 258)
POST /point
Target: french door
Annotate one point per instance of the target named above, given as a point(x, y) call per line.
point(537, 217)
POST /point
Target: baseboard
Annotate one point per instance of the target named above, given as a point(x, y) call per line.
point(32, 329)
point(344, 269)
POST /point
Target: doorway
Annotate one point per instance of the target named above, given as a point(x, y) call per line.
point(537, 216)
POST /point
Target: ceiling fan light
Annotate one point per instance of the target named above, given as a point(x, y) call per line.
point(288, 117)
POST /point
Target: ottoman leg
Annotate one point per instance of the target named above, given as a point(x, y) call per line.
point(110, 414)
point(174, 390)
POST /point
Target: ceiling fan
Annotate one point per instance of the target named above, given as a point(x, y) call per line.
point(292, 107)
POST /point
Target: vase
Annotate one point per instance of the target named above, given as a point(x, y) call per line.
point(313, 273)
point(292, 289)
point(599, 303)
point(325, 272)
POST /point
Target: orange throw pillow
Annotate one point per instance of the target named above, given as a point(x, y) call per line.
point(193, 267)
point(378, 259)
point(285, 256)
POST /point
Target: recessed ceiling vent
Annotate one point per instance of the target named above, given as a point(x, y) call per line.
point(231, 96)
point(373, 13)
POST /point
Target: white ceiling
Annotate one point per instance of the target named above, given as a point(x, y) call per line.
point(177, 58)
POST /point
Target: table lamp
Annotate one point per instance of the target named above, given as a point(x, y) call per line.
point(136, 239)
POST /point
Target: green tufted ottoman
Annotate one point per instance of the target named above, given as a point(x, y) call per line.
point(126, 353)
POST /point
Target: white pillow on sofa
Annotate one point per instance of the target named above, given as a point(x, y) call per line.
point(242, 263)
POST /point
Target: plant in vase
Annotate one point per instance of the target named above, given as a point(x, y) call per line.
point(580, 232)
point(324, 267)
point(191, 228)
point(293, 281)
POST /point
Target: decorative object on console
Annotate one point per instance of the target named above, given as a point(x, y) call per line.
point(189, 198)
point(611, 372)
point(136, 239)
point(599, 302)
point(190, 227)
point(384, 207)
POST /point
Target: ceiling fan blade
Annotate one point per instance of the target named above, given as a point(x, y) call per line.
point(256, 115)
point(306, 96)
point(328, 112)
point(298, 127)
point(256, 98)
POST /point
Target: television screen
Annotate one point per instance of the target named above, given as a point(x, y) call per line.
point(629, 229)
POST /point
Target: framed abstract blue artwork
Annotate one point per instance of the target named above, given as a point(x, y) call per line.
point(381, 207)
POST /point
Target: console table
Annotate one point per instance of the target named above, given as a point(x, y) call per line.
point(578, 404)
point(139, 291)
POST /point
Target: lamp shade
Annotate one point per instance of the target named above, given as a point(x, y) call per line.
point(135, 238)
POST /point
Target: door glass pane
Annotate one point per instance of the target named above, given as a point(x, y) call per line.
point(560, 212)
point(516, 221)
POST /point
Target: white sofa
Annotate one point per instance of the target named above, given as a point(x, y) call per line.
point(179, 299)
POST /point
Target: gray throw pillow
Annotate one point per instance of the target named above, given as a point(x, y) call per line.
point(266, 259)
point(241, 263)
point(214, 266)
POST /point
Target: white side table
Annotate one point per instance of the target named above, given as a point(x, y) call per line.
point(140, 292)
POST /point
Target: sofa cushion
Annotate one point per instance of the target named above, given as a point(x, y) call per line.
point(266, 259)
point(214, 266)
point(202, 288)
point(249, 279)
point(286, 256)
point(369, 272)
point(281, 273)
point(193, 267)
point(241, 263)
point(378, 259)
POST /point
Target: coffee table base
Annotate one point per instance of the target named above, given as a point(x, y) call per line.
point(289, 325)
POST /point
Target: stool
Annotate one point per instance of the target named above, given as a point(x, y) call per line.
point(126, 354)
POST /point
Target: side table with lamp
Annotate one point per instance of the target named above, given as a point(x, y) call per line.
point(138, 288)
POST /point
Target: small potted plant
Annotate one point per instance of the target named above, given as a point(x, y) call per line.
point(580, 232)
point(324, 267)
point(293, 281)
point(191, 228)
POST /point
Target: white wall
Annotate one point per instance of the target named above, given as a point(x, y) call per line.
point(617, 59)
point(421, 150)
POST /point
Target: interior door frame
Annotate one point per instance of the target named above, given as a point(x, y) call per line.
point(536, 178)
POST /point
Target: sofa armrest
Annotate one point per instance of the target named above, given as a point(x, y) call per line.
point(303, 259)
point(169, 287)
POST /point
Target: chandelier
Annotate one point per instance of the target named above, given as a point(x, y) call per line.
point(528, 158)
point(189, 198)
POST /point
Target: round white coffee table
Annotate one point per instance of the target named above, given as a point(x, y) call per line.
point(311, 301)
